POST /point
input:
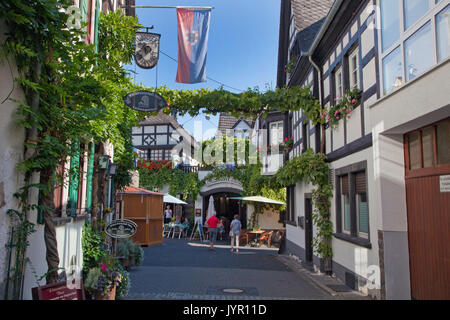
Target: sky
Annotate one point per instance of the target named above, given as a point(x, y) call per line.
point(242, 49)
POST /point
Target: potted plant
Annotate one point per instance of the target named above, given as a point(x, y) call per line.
point(123, 253)
point(101, 281)
point(137, 254)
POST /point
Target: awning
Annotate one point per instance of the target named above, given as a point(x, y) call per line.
point(259, 199)
point(171, 199)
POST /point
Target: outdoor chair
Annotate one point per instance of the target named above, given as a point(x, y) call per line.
point(177, 230)
point(167, 231)
point(244, 237)
point(266, 237)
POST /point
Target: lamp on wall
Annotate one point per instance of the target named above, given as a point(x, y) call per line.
point(113, 167)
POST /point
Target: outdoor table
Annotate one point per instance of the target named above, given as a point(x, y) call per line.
point(257, 234)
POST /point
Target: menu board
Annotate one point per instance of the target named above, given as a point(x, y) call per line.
point(58, 291)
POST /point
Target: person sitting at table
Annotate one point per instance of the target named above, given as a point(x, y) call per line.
point(185, 226)
point(221, 228)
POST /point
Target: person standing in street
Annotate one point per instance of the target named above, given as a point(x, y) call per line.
point(235, 232)
point(168, 214)
point(212, 223)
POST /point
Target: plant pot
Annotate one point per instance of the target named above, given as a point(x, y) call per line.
point(110, 296)
point(326, 265)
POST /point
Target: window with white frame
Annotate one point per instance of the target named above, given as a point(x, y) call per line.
point(443, 33)
point(353, 66)
point(276, 133)
point(338, 83)
point(414, 36)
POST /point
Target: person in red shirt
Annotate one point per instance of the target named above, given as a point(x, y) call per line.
point(212, 223)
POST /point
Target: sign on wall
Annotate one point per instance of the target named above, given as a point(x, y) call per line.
point(444, 183)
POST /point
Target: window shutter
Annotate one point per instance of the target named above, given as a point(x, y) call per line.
point(344, 184)
point(90, 177)
point(74, 180)
point(97, 20)
point(360, 180)
point(83, 9)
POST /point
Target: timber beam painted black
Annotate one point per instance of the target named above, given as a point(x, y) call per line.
point(350, 148)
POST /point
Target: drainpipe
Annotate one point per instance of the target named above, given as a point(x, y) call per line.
point(322, 126)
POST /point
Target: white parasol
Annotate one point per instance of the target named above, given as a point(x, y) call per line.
point(171, 199)
point(211, 211)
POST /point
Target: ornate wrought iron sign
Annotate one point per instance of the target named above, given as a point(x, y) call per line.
point(145, 101)
point(121, 229)
point(146, 52)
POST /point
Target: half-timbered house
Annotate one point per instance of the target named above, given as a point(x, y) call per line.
point(390, 159)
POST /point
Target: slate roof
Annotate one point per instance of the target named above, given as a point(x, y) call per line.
point(306, 36)
point(308, 12)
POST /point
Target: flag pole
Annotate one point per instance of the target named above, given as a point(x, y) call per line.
point(168, 7)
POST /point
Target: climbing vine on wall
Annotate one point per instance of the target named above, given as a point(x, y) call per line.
point(179, 182)
point(72, 94)
point(312, 168)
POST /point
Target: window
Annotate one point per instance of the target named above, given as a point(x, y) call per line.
point(352, 206)
point(419, 52)
point(156, 155)
point(429, 147)
point(345, 204)
point(339, 89)
point(413, 37)
point(390, 22)
point(167, 155)
point(353, 65)
point(392, 71)
point(443, 33)
point(414, 10)
point(443, 142)
point(362, 206)
point(305, 136)
point(276, 133)
point(414, 151)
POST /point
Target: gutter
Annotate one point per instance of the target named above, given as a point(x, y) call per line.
point(334, 9)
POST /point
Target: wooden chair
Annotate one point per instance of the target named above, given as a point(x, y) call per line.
point(266, 237)
point(244, 236)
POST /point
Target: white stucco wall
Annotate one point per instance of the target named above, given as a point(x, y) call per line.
point(351, 256)
point(11, 141)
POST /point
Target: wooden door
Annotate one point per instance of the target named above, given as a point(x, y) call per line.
point(427, 155)
point(134, 208)
point(155, 220)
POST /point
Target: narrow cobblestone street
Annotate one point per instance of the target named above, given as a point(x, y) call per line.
point(181, 269)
